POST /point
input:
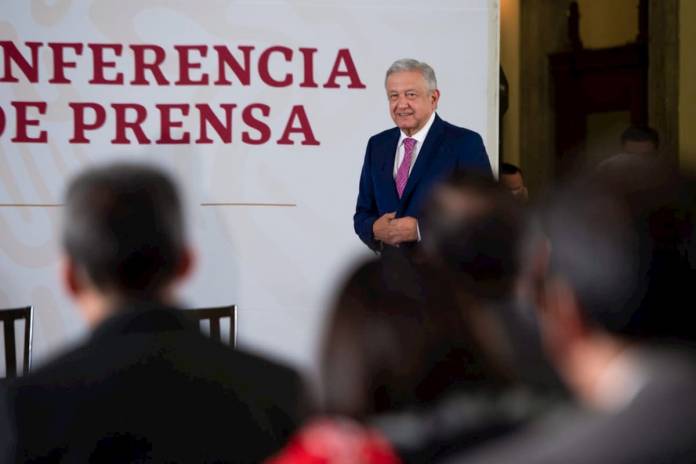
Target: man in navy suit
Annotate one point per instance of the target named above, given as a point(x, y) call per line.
point(403, 163)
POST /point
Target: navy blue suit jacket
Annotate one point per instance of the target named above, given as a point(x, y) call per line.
point(446, 148)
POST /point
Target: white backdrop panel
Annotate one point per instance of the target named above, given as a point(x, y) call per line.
point(279, 262)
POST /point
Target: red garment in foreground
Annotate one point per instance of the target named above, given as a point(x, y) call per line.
point(336, 441)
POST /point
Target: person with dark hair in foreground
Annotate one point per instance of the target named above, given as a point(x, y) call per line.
point(512, 180)
point(615, 312)
point(640, 140)
point(405, 374)
point(146, 386)
point(476, 234)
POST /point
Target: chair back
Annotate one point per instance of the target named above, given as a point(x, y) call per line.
point(7, 320)
point(214, 315)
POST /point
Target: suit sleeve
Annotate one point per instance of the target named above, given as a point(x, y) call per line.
point(7, 432)
point(290, 409)
point(474, 157)
point(366, 212)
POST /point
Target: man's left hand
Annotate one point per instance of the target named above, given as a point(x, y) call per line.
point(401, 230)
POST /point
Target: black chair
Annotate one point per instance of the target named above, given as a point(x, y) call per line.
point(8, 318)
point(214, 316)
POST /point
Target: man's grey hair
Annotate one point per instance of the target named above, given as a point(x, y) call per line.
point(409, 64)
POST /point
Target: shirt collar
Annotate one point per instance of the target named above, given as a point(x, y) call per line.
point(421, 134)
point(142, 316)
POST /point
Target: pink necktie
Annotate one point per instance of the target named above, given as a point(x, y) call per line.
point(402, 173)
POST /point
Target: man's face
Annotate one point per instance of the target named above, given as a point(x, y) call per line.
point(410, 101)
point(515, 184)
point(639, 147)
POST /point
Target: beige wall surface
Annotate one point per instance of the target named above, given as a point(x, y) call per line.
point(608, 23)
point(687, 84)
point(602, 24)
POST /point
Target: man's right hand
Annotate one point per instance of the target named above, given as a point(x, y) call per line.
point(380, 227)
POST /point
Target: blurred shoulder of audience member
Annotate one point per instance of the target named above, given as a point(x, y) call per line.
point(511, 177)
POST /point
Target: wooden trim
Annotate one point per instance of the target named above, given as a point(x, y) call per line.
point(543, 31)
point(663, 73)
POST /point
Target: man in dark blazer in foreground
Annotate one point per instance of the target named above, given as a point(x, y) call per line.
point(146, 386)
point(403, 163)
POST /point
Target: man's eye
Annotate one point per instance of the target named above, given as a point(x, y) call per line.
point(410, 94)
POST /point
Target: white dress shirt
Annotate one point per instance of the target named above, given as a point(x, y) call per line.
point(401, 152)
point(419, 137)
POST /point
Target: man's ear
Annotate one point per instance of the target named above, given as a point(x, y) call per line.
point(186, 264)
point(560, 318)
point(70, 276)
point(435, 95)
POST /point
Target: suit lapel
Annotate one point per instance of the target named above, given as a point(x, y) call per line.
point(386, 166)
point(425, 155)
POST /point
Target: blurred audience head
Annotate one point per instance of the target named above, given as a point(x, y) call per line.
point(621, 265)
point(624, 240)
point(473, 228)
point(123, 235)
point(512, 180)
point(640, 140)
point(396, 340)
point(477, 235)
